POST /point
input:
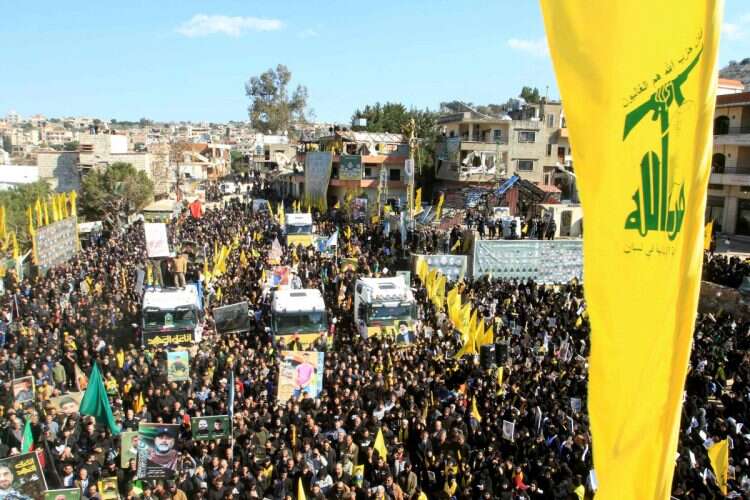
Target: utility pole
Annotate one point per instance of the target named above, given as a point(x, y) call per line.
point(410, 170)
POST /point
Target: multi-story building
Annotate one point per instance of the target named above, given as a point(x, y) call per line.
point(728, 202)
point(12, 118)
point(530, 141)
point(382, 157)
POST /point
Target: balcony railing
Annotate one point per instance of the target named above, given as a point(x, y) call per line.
point(488, 140)
point(733, 130)
point(738, 170)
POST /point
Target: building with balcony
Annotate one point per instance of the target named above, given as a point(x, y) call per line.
point(377, 155)
point(728, 202)
point(530, 141)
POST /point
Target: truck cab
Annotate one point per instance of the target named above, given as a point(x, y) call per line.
point(299, 229)
point(172, 317)
point(383, 305)
point(298, 313)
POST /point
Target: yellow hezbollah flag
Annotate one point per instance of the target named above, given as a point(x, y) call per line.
point(707, 235)
point(718, 454)
point(379, 445)
point(475, 411)
point(638, 80)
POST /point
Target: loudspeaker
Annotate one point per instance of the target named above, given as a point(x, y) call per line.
point(487, 356)
point(501, 354)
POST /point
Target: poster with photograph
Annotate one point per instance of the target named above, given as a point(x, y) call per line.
point(21, 477)
point(129, 444)
point(23, 389)
point(108, 488)
point(210, 428)
point(67, 494)
point(157, 456)
point(66, 404)
point(178, 366)
point(300, 371)
point(232, 318)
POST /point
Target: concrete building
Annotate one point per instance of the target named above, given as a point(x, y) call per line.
point(96, 149)
point(728, 202)
point(13, 118)
point(727, 86)
point(59, 169)
point(379, 152)
point(530, 141)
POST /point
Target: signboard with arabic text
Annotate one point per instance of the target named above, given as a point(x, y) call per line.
point(56, 243)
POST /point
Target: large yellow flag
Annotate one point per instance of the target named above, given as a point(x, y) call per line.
point(718, 454)
point(638, 82)
point(379, 445)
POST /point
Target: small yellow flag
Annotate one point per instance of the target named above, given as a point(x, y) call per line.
point(337, 205)
point(439, 209)
point(379, 445)
point(475, 411)
point(418, 202)
point(718, 454)
point(500, 376)
point(707, 237)
point(300, 490)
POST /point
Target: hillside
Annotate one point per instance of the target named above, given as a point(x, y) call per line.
point(737, 71)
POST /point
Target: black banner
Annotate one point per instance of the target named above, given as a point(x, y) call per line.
point(168, 339)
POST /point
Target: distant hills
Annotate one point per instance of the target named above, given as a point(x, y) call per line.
point(738, 71)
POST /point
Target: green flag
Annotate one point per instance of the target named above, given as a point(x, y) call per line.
point(27, 443)
point(96, 403)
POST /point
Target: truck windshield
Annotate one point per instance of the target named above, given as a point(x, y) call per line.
point(402, 312)
point(299, 229)
point(302, 322)
point(169, 318)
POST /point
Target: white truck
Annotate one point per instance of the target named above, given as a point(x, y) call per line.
point(384, 305)
point(299, 229)
point(298, 313)
point(172, 317)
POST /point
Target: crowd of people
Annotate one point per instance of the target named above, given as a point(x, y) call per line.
point(528, 439)
point(725, 270)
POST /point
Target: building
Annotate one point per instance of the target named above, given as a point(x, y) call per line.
point(96, 150)
point(382, 157)
point(204, 161)
point(728, 202)
point(17, 175)
point(12, 118)
point(727, 86)
point(59, 169)
point(530, 141)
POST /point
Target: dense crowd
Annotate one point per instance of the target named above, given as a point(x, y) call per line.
point(725, 270)
point(420, 396)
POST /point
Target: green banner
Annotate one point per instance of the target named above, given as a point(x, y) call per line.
point(67, 494)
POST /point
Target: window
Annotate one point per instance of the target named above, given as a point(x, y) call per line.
point(394, 174)
point(526, 136)
point(549, 149)
point(497, 134)
point(716, 187)
point(550, 120)
point(371, 172)
point(526, 165)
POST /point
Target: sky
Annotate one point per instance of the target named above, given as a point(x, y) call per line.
point(173, 60)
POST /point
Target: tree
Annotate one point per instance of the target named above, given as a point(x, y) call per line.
point(530, 95)
point(271, 108)
point(70, 146)
point(118, 190)
point(16, 200)
point(389, 117)
point(239, 162)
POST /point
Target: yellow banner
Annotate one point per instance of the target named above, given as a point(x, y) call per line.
point(638, 83)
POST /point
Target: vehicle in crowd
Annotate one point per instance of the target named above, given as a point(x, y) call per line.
point(383, 305)
point(172, 316)
point(298, 313)
point(299, 229)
